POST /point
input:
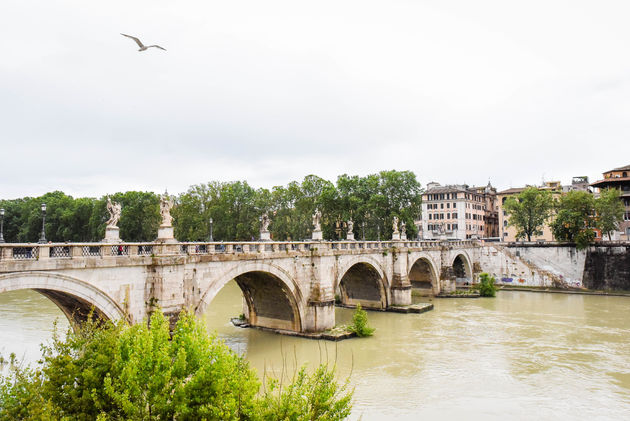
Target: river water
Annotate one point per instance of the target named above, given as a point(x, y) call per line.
point(520, 356)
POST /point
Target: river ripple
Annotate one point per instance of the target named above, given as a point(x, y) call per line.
point(520, 356)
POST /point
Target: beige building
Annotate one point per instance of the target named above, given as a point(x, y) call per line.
point(507, 232)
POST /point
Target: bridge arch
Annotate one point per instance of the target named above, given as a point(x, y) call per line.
point(273, 298)
point(423, 274)
point(74, 297)
point(362, 281)
point(462, 267)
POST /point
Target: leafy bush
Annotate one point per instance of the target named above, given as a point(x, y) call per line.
point(360, 323)
point(140, 372)
point(308, 397)
point(486, 285)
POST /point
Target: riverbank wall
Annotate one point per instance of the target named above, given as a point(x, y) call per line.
point(602, 266)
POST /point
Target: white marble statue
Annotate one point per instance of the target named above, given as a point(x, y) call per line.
point(395, 225)
point(265, 221)
point(403, 228)
point(317, 220)
point(114, 210)
point(350, 226)
point(166, 203)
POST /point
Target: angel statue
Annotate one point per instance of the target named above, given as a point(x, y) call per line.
point(166, 203)
point(395, 225)
point(265, 222)
point(317, 220)
point(114, 210)
point(403, 228)
point(350, 225)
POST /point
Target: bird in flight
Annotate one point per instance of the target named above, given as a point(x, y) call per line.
point(141, 45)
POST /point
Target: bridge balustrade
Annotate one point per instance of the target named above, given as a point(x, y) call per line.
point(100, 250)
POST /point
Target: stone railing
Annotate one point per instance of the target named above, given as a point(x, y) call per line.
point(31, 251)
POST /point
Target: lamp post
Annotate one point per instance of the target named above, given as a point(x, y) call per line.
point(211, 239)
point(42, 239)
point(363, 231)
point(378, 231)
point(1, 225)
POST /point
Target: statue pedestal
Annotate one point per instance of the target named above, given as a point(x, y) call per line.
point(403, 236)
point(396, 236)
point(112, 235)
point(265, 236)
point(165, 234)
point(317, 235)
point(350, 236)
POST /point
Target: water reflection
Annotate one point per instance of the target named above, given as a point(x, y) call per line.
point(520, 356)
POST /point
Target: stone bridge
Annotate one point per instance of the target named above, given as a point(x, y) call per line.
point(286, 285)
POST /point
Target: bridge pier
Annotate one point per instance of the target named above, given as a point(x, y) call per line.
point(400, 289)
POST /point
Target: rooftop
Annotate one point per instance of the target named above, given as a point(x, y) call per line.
point(611, 181)
point(447, 189)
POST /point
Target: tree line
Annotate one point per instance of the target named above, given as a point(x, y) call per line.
point(573, 217)
point(234, 207)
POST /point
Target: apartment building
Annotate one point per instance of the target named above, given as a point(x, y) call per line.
point(456, 211)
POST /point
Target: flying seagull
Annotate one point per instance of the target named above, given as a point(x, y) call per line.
point(141, 45)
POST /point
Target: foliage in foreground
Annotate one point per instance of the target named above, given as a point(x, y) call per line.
point(360, 323)
point(140, 373)
point(486, 285)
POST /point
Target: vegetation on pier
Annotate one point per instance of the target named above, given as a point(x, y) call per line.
point(360, 324)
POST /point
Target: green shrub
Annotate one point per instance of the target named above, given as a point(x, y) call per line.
point(141, 372)
point(360, 323)
point(486, 285)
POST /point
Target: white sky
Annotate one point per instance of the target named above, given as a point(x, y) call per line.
point(270, 91)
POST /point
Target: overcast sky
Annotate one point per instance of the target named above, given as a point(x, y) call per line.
point(269, 91)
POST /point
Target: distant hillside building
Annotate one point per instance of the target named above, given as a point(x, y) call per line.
point(458, 212)
point(619, 178)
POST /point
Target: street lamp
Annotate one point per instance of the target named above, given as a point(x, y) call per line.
point(363, 231)
point(1, 225)
point(211, 239)
point(42, 239)
point(378, 231)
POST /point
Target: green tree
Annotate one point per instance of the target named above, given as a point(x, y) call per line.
point(529, 211)
point(140, 372)
point(610, 209)
point(575, 218)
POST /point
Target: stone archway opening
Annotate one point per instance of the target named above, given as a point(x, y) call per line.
point(462, 270)
point(76, 309)
point(268, 302)
point(422, 276)
point(362, 284)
